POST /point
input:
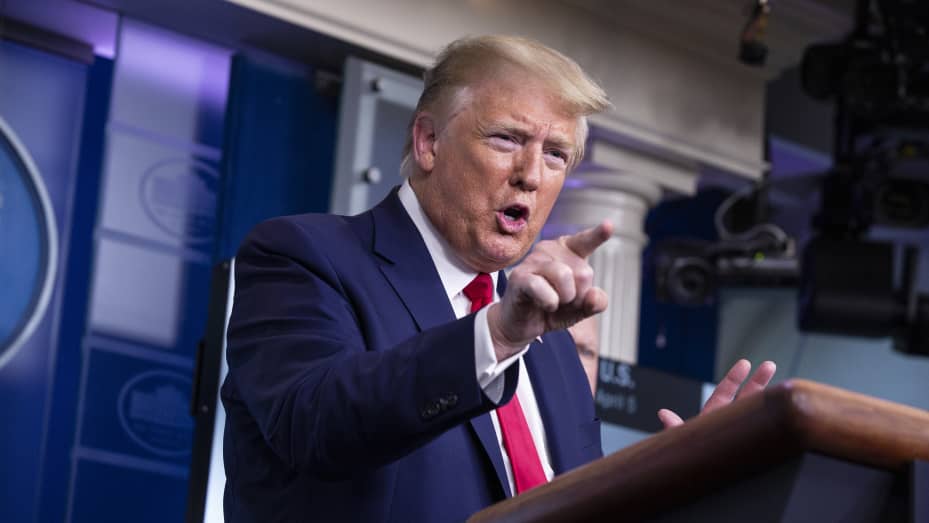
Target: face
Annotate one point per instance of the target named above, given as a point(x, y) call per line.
point(488, 174)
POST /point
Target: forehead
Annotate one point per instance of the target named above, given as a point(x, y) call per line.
point(522, 102)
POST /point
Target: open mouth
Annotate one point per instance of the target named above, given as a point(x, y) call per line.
point(515, 213)
point(513, 219)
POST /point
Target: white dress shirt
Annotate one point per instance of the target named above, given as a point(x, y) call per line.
point(455, 276)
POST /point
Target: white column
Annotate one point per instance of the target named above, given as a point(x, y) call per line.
point(620, 179)
point(588, 199)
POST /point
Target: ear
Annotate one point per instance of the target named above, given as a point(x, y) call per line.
point(424, 141)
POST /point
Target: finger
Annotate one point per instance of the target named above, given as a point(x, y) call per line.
point(594, 302)
point(584, 243)
point(669, 418)
point(581, 271)
point(759, 379)
point(570, 314)
point(583, 281)
point(560, 276)
point(727, 389)
point(539, 291)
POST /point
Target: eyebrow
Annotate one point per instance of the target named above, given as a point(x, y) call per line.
point(520, 131)
point(563, 145)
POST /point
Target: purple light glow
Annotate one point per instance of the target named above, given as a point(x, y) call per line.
point(79, 21)
point(168, 64)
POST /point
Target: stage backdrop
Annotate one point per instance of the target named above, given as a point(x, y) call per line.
point(41, 104)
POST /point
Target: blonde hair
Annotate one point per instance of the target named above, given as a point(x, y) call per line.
point(468, 61)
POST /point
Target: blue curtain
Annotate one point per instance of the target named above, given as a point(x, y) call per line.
point(279, 148)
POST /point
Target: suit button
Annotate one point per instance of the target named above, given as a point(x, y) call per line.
point(449, 400)
point(431, 410)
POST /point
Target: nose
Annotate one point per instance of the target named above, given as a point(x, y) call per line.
point(527, 171)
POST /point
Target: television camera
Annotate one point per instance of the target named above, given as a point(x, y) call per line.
point(849, 284)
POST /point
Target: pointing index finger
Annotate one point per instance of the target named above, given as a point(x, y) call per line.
point(584, 243)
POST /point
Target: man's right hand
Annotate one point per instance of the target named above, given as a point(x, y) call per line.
point(551, 289)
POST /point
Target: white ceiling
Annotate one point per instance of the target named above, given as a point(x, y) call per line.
point(95, 22)
point(710, 28)
point(713, 27)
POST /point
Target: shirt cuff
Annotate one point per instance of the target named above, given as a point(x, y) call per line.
point(489, 370)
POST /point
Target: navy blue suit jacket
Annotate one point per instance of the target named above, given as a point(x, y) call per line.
point(351, 393)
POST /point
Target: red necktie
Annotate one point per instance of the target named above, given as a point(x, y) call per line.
point(517, 439)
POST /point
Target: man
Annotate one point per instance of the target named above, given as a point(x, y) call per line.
point(587, 339)
point(381, 368)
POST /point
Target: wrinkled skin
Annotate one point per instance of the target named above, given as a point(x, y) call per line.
point(487, 175)
point(507, 147)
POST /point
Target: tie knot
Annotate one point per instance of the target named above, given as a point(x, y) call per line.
point(480, 291)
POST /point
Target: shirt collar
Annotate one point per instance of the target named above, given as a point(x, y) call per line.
point(453, 272)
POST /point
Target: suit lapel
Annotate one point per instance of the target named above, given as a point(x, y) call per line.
point(483, 428)
point(414, 278)
point(409, 268)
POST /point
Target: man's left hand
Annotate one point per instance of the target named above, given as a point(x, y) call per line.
point(728, 389)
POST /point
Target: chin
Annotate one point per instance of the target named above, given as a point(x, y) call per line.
point(499, 257)
point(489, 264)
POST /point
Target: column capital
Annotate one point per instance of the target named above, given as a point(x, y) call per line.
point(603, 180)
point(591, 196)
point(672, 166)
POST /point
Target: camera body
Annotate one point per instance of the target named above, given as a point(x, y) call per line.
point(689, 272)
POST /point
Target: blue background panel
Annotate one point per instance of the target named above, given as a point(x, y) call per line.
point(21, 231)
point(23, 402)
point(136, 406)
point(148, 295)
point(41, 99)
point(106, 493)
point(76, 274)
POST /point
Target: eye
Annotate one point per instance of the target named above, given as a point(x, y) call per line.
point(503, 141)
point(558, 154)
point(504, 137)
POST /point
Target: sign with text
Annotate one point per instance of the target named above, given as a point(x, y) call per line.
point(631, 396)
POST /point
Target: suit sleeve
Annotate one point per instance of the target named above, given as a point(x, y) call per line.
point(322, 401)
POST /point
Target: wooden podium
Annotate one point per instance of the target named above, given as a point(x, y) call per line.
point(799, 451)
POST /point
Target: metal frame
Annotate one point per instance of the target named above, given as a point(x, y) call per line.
point(364, 86)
